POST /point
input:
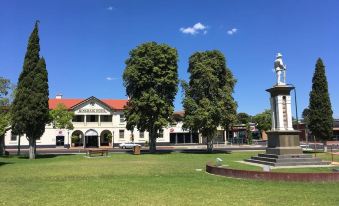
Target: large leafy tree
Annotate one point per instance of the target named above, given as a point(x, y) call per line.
point(208, 95)
point(151, 81)
point(320, 110)
point(263, 121)
point(228, 105)
point(243, 118)
point(30, 110)
point(305, 115)
point(61, 117)
point(5, 86)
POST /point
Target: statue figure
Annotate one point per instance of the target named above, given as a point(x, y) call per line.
point(279, 68)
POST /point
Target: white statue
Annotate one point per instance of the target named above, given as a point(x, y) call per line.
point(280, 67)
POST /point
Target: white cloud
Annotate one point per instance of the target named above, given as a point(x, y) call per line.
point(195, 29)
point(199, 26)
point(110, 8)
point(232, 31)
point(111, 78)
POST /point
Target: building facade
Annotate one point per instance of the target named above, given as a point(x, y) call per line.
point(99, 123)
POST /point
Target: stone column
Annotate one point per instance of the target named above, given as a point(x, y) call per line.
point(99, 141)
point(282, 139)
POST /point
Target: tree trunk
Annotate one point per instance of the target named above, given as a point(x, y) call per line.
point(19, 146)
point(32, 150)
point(209, 144)
point(2, 145)
point(325, 145)
point(152, 141)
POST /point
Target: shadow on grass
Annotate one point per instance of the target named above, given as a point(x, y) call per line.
point(45, 156)
point(148, 152)
point(203, 151)
point(186, 151)
point(5, 163)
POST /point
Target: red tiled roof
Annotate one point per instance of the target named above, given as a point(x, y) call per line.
point(113, 103)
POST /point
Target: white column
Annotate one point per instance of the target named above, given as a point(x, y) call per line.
point(99, 141)
point(289, 113)
point(280, 115)
point(84, 140)
point(273, 114)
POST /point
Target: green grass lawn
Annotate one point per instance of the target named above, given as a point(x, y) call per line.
point(160, 179)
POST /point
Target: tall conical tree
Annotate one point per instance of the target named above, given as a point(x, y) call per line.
point(320, 110)
point(30, 106)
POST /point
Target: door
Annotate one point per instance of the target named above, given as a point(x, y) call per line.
point(92, 141)
point(60, 140)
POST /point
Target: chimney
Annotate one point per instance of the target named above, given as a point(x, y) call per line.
point(58, 96)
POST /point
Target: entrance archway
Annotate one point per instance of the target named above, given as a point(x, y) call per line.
point(91, 138)
point(105, 138)
point(77, 138)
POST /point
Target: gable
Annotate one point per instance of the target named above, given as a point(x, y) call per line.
point(92, 106)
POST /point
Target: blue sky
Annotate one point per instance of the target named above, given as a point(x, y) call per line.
point(85, 43)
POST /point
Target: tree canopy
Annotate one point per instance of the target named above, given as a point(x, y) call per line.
point(320, 109)
point(243, 118)
point(4, 114)
point(61, 117)
point(208, 94)
point(263, 120)
point(151, 81)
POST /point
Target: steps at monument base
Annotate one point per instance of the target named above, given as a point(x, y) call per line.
point(281, 160)
point(286, 156)
point(260, 162)
point(287, 163)
point(286, 160)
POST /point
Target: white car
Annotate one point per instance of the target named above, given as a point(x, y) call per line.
point(126, 145)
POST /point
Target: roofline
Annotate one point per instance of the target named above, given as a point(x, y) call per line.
point(91, 97)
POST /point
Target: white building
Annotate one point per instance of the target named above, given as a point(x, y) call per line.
point(94, 121)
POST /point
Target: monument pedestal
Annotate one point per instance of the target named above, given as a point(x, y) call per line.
point(283, 145)
point(283, 149)
point(283, 142)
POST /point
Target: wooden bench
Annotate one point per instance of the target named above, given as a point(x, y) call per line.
point(100, 152)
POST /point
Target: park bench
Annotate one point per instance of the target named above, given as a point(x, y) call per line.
point(100, 152)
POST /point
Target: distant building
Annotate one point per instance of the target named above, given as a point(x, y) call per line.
point(306, 134)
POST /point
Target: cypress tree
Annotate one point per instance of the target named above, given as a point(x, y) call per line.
point(320, 111)
point(30, 110)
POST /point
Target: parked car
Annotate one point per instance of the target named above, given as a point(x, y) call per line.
point(126, 145)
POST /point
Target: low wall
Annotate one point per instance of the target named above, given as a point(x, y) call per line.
point(274, 176)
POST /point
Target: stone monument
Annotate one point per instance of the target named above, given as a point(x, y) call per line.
point(283, 145)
